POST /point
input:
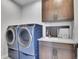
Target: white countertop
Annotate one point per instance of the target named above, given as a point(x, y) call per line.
point(57, 40)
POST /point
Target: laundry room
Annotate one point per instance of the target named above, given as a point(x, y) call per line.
point(39, 29)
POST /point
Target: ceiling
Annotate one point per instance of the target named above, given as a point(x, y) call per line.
point(22, 2)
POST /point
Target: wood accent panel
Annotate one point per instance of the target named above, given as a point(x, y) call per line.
point(52, 11)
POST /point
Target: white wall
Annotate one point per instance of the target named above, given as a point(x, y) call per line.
point(75, 30)
point(32, 13)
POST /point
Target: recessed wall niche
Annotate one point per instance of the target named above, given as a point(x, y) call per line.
point(57, 10)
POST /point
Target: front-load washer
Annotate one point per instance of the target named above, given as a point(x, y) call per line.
point(11, 36)
point(28, 40)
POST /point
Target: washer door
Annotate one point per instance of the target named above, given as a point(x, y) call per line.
point(24, 37)
point(10, 36)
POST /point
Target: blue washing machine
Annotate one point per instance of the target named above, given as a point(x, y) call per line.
point(28, 36)
point(11, 36)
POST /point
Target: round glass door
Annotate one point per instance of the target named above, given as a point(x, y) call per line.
point(10, 35)
point(24, 37)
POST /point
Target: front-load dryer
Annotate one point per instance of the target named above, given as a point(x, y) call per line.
point(11, 36)
point(28, 40)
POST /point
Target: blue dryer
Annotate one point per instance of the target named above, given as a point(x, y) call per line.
point(28, 36)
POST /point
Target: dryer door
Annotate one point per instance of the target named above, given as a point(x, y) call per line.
point(10, 36)
point(24, 37)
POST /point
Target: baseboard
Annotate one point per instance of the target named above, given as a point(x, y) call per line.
point(5, 57)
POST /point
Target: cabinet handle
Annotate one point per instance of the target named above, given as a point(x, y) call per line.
point(55, 53)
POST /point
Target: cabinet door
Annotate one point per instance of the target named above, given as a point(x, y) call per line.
point(65, 54)
point(45, 52)
point(46, 9)
point(56, 10)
